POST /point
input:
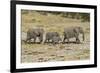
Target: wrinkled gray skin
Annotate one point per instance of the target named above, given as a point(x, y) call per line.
point(73, 32)
point(50, 35)
point(56, 39)
point(34, 34)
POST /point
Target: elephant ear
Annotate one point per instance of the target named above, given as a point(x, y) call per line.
point(41, 31)
point(36, 31)
point(76, 30)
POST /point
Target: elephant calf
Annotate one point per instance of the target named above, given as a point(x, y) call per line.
point(54, 37)
point(73, 32)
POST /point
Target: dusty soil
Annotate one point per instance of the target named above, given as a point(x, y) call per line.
point(59, 52)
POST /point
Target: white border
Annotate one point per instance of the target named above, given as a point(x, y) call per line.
point(20, 65)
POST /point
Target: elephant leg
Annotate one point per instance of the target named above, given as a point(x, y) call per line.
point(64, 39)
point(34, 39)
point(77, 37)
point(28, 40)
point(40, 40)
point(54, 43)
point(46, 40)
point(68, 40)
point(77, 40)
point(52, 40)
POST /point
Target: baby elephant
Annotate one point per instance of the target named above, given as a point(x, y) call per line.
point(56, 40)
point(73, 32)
point(52, 37)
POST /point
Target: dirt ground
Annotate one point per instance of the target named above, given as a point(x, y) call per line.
point(59, 52)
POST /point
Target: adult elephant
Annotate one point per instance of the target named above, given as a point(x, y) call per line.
point(34, 34)
point(73, 32)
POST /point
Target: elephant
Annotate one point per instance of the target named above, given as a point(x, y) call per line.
point(34, 34)
point(73, 32)
point(50, 36)
point(56, 39)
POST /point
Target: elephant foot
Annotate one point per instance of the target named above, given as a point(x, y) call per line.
point(45, 42)
point(77, 41)
point(40, 42)
point(63, 42)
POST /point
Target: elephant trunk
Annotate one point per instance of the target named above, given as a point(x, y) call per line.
point(83, 36)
